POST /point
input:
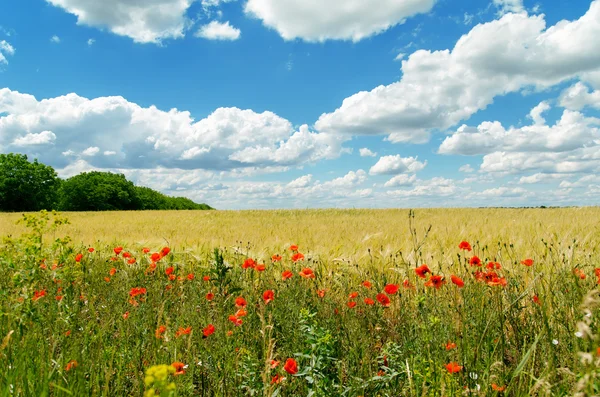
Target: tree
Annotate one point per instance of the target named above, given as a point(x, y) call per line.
point(98, 191)
point(25, 185)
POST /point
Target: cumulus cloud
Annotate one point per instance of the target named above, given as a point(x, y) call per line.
point(438, 187)
point(438, 89)
point(366, 152)
point(393, 165)
point(317, 20)
point(42, 138)
point(55, 39)
point(5, 49)
point(216, 30)
point(401, 180)
point(301, 182)
point(502, 191)
point(143, 21)
point(579, 96)
point(466, 168)
point(91, 151)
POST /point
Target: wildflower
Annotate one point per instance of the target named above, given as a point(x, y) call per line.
point(493, 266)
point(268, 296)
point(554, 342)
point(155, 257)
point(236, 321)
point(277, 379)
point(475, 261)
point(137, 291)
point(307, 273)
point(131, 261)
point(160, 331)
point(597, 271)
point(172, 277)
point(579, 334)
point(183, 331)
point(291, 366)
point(210, 296)
point(527, 262)
point(71, 365)
point(535, 299)
point(276, 258)
point(297, 257)
point(367, 284)
point(145, 250)
point(38, 294)
point(391, 289)
point(369, 301)
point(179, 368)
point(274, 364)
point(126, 255)
point(407, 285)
point(165, 251)
point(112, 271)
point(125, 315)
point(422, 271)
point(435, 281)
point(240, 302)
point(118, 250)
point(241, 313)
point(501, 281)
point(464, 246)
point(78, 257)
point(453, 367)
point(169, 270)
point(353, 295)
point(321, 293)
point(249, 263)
point(208, 331)
point(68, 333)
point(450, 345)
point(90, 250)
point(383, 299)
point(579, 273)
point(58, 298)
point(206, 278)
point(190, 276)
point(286, 275)
point(498, 388)
point(457, 281)
point(293, 247)
point(260, 268)
point(351, 304)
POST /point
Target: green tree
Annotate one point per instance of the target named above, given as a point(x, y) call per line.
point(98, 191)
point(25, 185)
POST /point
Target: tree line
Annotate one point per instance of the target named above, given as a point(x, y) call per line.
point(34, 186)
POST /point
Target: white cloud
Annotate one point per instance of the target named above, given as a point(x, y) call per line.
point(539, 178)
point(366, 152)
point(91, 151)
point(438, 89)
point(301, 182)
point(350, 180)
point(579, 96)
point(216, 30)
point(91, 42)
point(536, 113)
point(110, 153)
point(55, 39)
point(5, 49)
point(318, 20)
point(401, 180)
point(506, 6)
point(502, 191)
point(438, 187)
point(393, 165)
point(466, 168)
point(143, 21)
point(43, 138)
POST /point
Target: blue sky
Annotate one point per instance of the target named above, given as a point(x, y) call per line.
point(296, 104)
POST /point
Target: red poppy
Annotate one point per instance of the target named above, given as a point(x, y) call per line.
point(249, 263)
point(291, 366)
point(286, 275)
point(277, 379)
point(125, 315)
point(169, 270)
point(260, 268)
point(268, 296)
point(422, 271)
point(527, 262)
point(293, 247)
point(579, 273)
point(464, 245)
point(276, 258)
point(450, 345)
point(391, 289)
point(383, 299)
point(126, 255)
point(78, 257)
point(535, 299)
point(190, 276)
point(435, 281)
point(165, 251)
point(179, 368)
point(131, 261)
point(307, 273)
point(208, 331)
point(117, 250)
point(321, 293)
point(274, 364)
point(241, 312)
point(206, 278)
point(107, 279)
point(137, 291)
point(597, 271)
point(183, 331)
point(240, 302)
point(407, 285)
point(38, 294)
point(210, 296)
point(353, 295)
point(145, 250)
point(236, 321)
point(453, 367)
point(172, 277)
point(475, 261)
point(58, 297)
point(297, 257)
point(160, 331)
point(367, 284)
point(71, 365)
point(498, 388)
point(155, 257)
point(493, 266)
point(369, 301)
point(501, 281)
point(112, 271)
point(351, 304)
point(457, 281)
point(90, 250)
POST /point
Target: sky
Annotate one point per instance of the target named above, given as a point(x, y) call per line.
point(258, 104)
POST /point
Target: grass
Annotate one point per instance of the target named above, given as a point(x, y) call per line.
point(525, 330)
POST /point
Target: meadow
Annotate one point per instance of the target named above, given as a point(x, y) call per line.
point(432, 302)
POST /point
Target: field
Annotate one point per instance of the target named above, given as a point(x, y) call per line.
point(291, 303)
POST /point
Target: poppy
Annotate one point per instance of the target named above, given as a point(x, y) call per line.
point(190, 276)
point(579, 273)
point(535, 299)
point(240, 302)
point(58, 297)
point(457, 281)
point(597, 271)
point(276, 258)
point(453, 367)
point(527, 262)
point(112, 271)
point(286, 275)
point(117, 250)
point(160, 331)
point(293, 247)
point(90, 250)
point(126, 255)
point(277, 379)
point(165, 251)
point(369, 301)
point(206, 278)
point(210, 296)
point(351, 304)
point(297, 257)
point(353, 295)
point(383, 299)
point(367, 284)
point(155, 257)
point(260, 268)
point(125, 315)
point(137, 291)
point(208, 331)
point(179, 368)
point(407, 285)
point(145, 250)
point(236, 321)
point(475, 261)
point(307, 273)
point(321, 293)
point(450, 345)
point(169, 270)
point(268, 296)
point(78, 257)
point(183, 331)
point(464, 245)
point(493, 266)
point(391, 289)
point(71, 365)
point(172, 277)
point(498, 388)
point(435, 281)
point(274, 364)
point(291, 366)
point(422, 271)
point(241, 313)
point(131, 261)
point(501, 281)
point(249, 263)
point(39, 294)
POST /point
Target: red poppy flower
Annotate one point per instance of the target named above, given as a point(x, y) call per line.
point(117, 250)
point(208, 331)
point(351, 304)
point(353, 295)
point(535, 299)
point(236, 321)
point(291, 366)
point(131, 261)
point(126, 255)
point(450, 345)
point(407, 285)
point(493, 266)
point(90, 250)
point(241, 313)
point(369, 301)
point(391, 289)
point(286, 275)
point(155, 257)
point(293, 247)
point(125, 315)
point(206, 278)
point(107, 279)
point(190, 276)
point(579, 273)
point(172, 277)
point(179, 368)
point(165, 251)
point(260, 268)
point(321, 293)
point(495, 281)
point(274, 364)
point(183, 331)
point(240, 302)
point(422, 271)
point(160, 331)
point(464, 246)
point(435, 281)
point(268, 296)
point(137, 291)
point(145, 250)
point(475, 261)
point(527, 262)
point(78, 257)
point(249, 263)
point(277, 379)
point(307, 273)
point(297, 257)
point(453, 367)
point(276, 258)
point(457, 281)
point(71, 365)
point(597, 271)
point(169, 270)
point(367, 284)
point(383, 299)
point(210, 296)
point(58, 297)
point(498, 388)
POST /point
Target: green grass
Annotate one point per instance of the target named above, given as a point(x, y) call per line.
point(502, 336)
